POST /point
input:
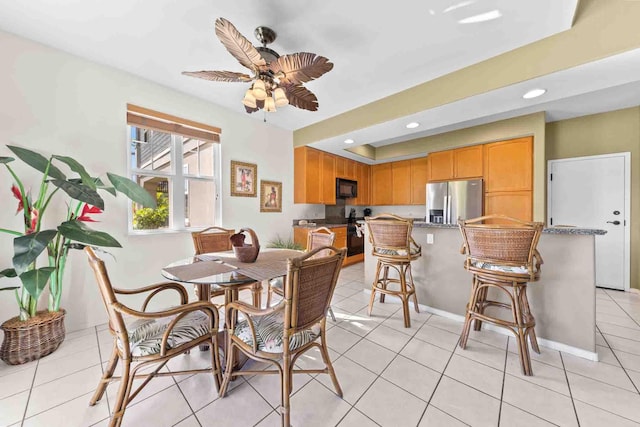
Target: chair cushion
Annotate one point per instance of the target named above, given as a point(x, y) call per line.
point(145, 335)
point(269, 330)
point(502, 268)
point(399, 252)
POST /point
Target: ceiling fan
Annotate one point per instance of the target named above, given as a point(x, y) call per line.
point(277, 80)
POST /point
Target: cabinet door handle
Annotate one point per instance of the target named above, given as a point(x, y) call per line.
point(613, 222)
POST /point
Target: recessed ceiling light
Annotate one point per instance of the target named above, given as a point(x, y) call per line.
point(412, 125)
point(349, 141)
point(534, 93)
point(483, 17)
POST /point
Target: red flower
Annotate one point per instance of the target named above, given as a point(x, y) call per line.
point(16, 193)
point(34, 221)
point(86, 210)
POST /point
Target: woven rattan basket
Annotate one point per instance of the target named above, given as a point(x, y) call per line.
point(32, 339)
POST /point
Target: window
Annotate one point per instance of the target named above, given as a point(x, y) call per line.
point(177, 161)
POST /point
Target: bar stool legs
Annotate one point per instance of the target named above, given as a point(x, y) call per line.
point(406, 291)
point(522, 326)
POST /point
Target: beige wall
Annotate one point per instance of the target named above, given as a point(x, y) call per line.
point(613, 132)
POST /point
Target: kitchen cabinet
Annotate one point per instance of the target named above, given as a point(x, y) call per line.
point(419, 177)
point(381, 184)
point(328, 177)
point(508, 165)
point(467, 162)
point(362, 176)
point(401, 182)
point(307, 171)
point(441, 166)
point(516, 204)
point(461, 163)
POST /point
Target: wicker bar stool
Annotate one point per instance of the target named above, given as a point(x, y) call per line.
point(503, 256)
point(394, 247)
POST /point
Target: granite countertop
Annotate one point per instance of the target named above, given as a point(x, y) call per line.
point(317, 225)
point(552, 230)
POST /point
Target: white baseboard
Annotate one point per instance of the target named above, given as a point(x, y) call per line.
point(553, 345)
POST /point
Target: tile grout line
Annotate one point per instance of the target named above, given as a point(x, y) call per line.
point(435, 389)
point(106, 395)
point(566, 376)
point(621, 365)
point(625, 311)
point(504, 376)
point(26, 406)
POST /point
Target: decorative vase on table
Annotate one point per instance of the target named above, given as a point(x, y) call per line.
point(245, 252)
point(34, 334)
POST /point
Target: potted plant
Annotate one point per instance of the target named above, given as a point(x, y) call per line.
point(33, 334)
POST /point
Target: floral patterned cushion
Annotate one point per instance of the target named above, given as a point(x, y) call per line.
point(269, 330)
point(145, 335)
point(399, 252)
point(502, 268)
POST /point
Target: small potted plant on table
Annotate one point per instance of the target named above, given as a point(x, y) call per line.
point(34, 334)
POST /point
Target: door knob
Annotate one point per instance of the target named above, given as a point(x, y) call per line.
point(613, 222)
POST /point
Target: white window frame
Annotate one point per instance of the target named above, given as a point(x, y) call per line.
point(177, 185)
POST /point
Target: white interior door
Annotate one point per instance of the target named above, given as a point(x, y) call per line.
point(594, 192)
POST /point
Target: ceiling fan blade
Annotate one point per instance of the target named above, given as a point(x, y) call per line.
point(300, 67)
point(259, 105)
point(219, 76)
point(238, 45)
point(301, 97)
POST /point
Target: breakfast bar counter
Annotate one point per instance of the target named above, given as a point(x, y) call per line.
point(562, 301)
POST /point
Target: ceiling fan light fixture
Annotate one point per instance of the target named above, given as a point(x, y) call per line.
point(269, 105)
point(249, 100)
point(259, 90)
point(281, 97)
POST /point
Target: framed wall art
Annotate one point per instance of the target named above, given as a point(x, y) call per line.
point(270, 196)
point(244, 177)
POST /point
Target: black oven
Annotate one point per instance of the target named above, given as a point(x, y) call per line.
point(355, 243)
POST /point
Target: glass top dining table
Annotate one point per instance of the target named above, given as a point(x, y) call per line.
point(222, 270)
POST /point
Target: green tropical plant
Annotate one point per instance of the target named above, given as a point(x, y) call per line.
point(71, 233)
point(150, 219)
point(282, 243)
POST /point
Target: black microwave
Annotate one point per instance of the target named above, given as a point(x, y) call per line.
point(346, 188)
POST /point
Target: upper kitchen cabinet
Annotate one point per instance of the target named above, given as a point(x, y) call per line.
point(346, 168)
point(401, 181)
point(461, 163)
point(419, 177)
point(328, 176)
point(381, 184)
point(508, 165)
point(364, 187)
point(307, 173)
point(441, 166)
point(467, 162)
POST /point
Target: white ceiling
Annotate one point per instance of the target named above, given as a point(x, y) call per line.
point(378, 48)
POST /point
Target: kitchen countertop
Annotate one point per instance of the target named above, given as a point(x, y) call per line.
point(317, 225)
point(551, 230)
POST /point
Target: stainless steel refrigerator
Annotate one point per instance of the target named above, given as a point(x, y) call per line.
point(448, 201)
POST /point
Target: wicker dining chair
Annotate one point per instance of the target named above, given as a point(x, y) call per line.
point(393, 246)
point(316, 238)
point(151, 338)
point(216, 239)
point(279, 335)
point(502, 254)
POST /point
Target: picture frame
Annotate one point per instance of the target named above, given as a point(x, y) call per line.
point(244, 177)
point(270, 196)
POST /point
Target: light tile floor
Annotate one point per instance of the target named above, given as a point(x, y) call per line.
point(391, 376)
